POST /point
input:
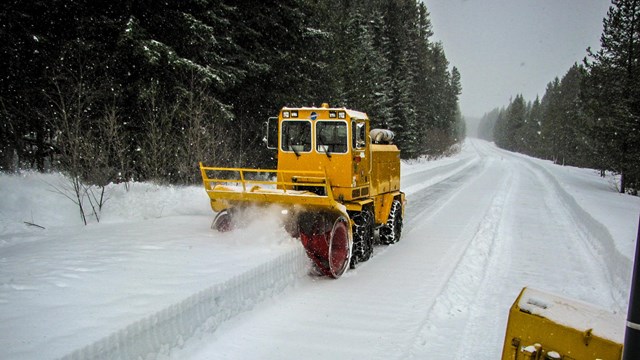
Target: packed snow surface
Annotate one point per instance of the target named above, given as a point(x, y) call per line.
point(152, 280)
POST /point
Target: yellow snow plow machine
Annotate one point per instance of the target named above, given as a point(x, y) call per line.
point(337, 181)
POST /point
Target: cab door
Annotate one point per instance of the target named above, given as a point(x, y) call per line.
point(360, 152)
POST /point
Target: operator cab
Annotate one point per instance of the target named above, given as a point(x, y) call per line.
point(325, 131)
point(334, 141)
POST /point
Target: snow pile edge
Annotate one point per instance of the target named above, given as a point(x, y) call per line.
point(170, 328)
point(599, 239)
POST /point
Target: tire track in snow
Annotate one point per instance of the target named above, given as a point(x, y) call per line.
point(505, 255)
point(595, 237)
point(537, 237)
point(452, 304)
point(540, 233)
point(427, 200)
point(421, 179)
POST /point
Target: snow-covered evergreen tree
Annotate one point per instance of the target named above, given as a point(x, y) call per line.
point(612, 92)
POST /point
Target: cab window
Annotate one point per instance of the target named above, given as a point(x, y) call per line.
point(359, 135)
point(296, 136)
point(331, 137)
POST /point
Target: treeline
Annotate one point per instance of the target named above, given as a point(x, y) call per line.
point(590, 117)
point(120, 90)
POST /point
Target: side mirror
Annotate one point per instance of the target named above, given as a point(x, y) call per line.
point(271, 133)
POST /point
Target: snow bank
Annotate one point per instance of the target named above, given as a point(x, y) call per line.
point(32, 197)
point(599, 237)
point(160, 333)
point(42, 199)
point(125, 286)
point(142, 201)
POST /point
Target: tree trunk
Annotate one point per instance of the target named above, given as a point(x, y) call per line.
point(7, 159)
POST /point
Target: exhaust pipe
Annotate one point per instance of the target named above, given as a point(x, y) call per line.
point(632, 334)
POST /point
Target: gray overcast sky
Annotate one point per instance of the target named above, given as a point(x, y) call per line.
point(508, 47)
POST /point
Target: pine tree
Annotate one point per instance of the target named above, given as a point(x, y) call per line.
point(515, 121)
point(571, 128)
point(552, 118)
point(500, 133)
point(283, 37)
point(509, 125)
point(612, 92)
point(382, 114)
point(533, 131)
point(402, 115)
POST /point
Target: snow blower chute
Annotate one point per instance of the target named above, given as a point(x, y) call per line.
point(336, 182)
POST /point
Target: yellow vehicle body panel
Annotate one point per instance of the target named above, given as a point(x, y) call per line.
point(386, 169)
point(546, 326)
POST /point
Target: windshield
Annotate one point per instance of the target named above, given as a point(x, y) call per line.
point(296, 136)
point(331, 137)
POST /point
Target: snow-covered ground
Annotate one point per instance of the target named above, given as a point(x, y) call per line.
point(152, 280)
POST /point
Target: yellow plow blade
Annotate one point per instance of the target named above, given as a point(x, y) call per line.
point(228, 187)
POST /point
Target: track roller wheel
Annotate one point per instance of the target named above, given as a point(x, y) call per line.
point(391, 231)
point(223, 221)
point(327, 241)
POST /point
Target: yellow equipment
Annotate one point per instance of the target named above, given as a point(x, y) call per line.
point(543, 326)
point(337, 181)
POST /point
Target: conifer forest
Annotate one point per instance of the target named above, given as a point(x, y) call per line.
point(118, 90)
point(591, 116)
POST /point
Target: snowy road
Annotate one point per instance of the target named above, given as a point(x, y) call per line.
point(153, 281)
point(471, 242)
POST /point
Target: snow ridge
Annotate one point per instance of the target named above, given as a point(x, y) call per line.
point(600, 242)
point(170, 328)
point(599, 239)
